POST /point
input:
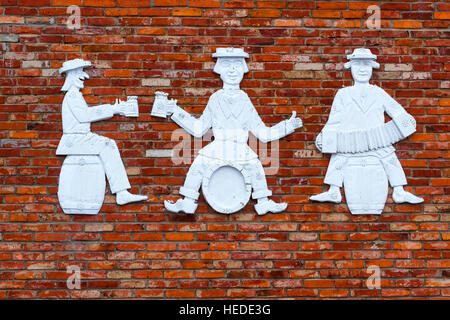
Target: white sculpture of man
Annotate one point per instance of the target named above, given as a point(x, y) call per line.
point(231, 115)
point(77, 137)
point(360, 109)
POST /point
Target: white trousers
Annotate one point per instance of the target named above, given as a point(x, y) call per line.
point(114, 168)
point(200, 165)
point(93, 144)
point(391, 165)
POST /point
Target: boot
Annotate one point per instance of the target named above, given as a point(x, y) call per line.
point(186, 205)
point(401, 196)
point(124, 197)
point(328, 196)
point(262, 207)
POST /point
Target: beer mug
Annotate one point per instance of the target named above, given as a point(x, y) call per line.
point(162, 107)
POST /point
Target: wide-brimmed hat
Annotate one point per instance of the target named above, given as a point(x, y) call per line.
point(74, 64)
point(230, 53)
point(362, 53)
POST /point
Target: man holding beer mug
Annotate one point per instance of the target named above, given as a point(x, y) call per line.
point(77, 137)
point(231, 115)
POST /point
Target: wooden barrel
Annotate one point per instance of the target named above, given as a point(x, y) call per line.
point(227, 188)
point(81, 188)
point(365, 185)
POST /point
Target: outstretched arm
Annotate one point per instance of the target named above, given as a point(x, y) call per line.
point(196, 127)
point(278, 131)
point(83, 113)
point(162, 107)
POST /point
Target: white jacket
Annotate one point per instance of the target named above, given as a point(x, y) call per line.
point(76, 118)
point(231, 117)
point(362, 113)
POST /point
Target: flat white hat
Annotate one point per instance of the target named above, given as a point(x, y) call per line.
point(362, 53)
point(74, 64)
point(230, 53)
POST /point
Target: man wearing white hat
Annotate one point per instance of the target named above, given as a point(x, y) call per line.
point(231, 115)
point(77, 137)
point(356, 128)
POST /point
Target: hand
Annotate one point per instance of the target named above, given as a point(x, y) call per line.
point(124, 109)
point(319, 142)
point(170, 106)
point(118, 107)
point(293, 122)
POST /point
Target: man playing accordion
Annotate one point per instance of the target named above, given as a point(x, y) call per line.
point(356, 128)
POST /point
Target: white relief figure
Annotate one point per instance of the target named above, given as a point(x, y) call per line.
point(363, 158)
point(89, 155)
point(227, 168)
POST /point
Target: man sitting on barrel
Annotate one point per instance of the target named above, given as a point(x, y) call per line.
point(77, 137)
point(231, 115)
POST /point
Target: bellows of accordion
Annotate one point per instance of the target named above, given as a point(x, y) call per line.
point(369, 139)
point(332, 140)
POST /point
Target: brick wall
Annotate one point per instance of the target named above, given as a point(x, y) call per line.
point(297, 50)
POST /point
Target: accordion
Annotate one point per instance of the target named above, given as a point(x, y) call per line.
point(355, 141)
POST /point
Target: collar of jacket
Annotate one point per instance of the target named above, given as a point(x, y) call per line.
point(231, 105)
point(370, 97)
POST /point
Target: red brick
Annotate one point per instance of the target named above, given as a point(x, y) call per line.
point(317, 283)
point(326, 14)
point(205, 3)
point(187, 12)
point(239, 4)
point(178, 293)
point(333, 293)
point(407, 24)
point(442, 15)
point(265, 13)
point(100, 3)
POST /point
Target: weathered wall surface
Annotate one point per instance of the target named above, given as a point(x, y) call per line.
point(297, 50)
